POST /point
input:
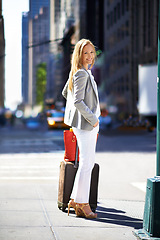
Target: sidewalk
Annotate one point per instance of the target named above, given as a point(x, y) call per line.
point(28, 200)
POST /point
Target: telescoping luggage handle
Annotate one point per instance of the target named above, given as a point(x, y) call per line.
point(76, 157)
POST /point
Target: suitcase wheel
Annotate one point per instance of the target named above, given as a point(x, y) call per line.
point(62, 206)
point(63, 209)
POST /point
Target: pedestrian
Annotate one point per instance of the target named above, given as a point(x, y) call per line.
point(81, 113)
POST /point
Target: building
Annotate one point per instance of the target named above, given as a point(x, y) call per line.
point(54, 70)
point(25, 20)
point(35, 5)
point(125, 31)
point(40, 32)
point(54, 26)
point(33, 41)
point(2, 59)
point(84, 19)
point(40, 46)
point(130, 39)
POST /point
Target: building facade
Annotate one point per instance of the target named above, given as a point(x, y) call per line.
point(130, 39)
point(35, 5)
point(85, 20)
point(25, 20)
point(35, 47)
point(54, 27)
point(124, 32)
point(40, 45)
point(2, 59)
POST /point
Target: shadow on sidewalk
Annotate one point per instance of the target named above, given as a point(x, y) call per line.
point(117, 217)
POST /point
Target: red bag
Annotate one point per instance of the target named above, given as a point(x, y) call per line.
point(70, 143)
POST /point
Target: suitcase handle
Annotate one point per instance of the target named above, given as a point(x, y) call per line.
point(76, 157)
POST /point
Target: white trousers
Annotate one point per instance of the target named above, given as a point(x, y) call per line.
point(87, 145)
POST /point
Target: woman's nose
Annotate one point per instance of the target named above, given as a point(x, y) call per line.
point(89, 55)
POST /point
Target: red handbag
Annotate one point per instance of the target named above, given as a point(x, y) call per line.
point(70, 144)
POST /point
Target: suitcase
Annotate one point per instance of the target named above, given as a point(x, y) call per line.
point(66, 180)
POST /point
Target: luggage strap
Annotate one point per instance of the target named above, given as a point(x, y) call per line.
point(76, 157)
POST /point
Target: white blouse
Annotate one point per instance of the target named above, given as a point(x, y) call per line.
point(98, 112)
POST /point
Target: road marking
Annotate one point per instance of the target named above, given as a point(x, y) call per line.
point(27, 142)
point(54, 155)
point(18, 146)
point(28, 178)
point(24, 172)
point(140, 185)
point(18, 167)
point(27, 167)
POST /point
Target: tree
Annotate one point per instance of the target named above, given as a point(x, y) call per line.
point(41, 80)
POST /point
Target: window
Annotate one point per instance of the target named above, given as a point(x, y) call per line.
point(122, 32)
point(122, 57)
point(123, 7)
point(127, 28)
point(108, 21)
point(144, 26)
point(118, 10)
point(127, 5)
point(115, 15)
point(111, 18)
point(127, 55)
point(149, 23)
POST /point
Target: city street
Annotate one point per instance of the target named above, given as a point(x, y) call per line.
point(79, 63)
point(29, 173)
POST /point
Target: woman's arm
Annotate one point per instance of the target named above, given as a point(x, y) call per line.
point(95, 125)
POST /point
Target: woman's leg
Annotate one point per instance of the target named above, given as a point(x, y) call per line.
point(87, 144)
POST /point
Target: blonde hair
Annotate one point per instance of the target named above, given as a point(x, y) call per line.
point(76, 62)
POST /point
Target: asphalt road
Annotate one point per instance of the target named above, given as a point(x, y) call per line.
point(23, 140)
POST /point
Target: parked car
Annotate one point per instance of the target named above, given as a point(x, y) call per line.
point(55, 119)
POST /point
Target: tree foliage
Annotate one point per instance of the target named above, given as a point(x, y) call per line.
point(41, 80)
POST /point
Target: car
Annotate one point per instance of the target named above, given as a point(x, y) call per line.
point(32, 123)
point(55, 119)
point(105, 121)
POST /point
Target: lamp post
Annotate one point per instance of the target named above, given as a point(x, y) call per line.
point(158, 100)
point(151, 218)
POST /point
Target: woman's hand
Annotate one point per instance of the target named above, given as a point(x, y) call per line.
point(95, 125)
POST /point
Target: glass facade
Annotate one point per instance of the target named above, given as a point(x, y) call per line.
point(25, 57)
point(35, 5)
point(130, 39)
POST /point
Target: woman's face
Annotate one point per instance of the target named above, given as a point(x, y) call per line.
point(87, 55)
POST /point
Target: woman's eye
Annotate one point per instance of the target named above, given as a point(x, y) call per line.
point(87, 52)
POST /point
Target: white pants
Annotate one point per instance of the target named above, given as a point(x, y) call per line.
point(87, 145)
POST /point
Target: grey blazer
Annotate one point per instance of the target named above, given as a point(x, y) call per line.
point(82, 102)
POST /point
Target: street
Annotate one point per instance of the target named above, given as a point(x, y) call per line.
point(29, 174)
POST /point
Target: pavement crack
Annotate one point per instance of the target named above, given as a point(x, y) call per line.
point(55, 236)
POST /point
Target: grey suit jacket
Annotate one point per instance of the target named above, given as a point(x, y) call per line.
point(82, 102)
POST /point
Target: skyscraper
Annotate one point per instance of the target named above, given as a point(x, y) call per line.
point(38, 29)
point(130, 39)
point(25, 20)
point(35, 5)
point(2, 59)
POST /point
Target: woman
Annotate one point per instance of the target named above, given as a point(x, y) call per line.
point(82, 112)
